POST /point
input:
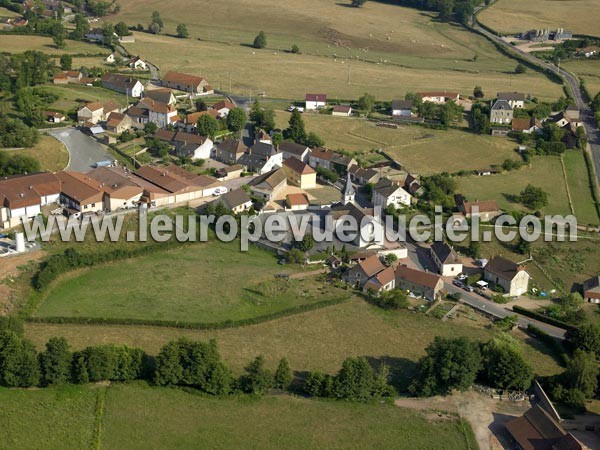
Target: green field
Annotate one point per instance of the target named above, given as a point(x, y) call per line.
point(437, 56)
point(579, 187)
point(315, 340)
point(589, 71)
point(515, 16)
point(206, 283)
point(51, 153)
point(47, 418)
point(544, 172)
point(72, 96)
point(421, 150)
point(139, 416)
point(15, 43)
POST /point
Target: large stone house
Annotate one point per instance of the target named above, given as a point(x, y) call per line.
point(268, 185)
point(425, 284)
point(300, 174)
point(510, 276)
point(97, 111)
point(124, 84)
point(230, 150)
point(188, 83)
point(446, 259)
point(501, 112)
point(387, 193)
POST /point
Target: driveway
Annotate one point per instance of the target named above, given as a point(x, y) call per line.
point(83, 150)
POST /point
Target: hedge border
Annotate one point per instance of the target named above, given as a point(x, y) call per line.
point(543, 318)
point(225, 324)
point(555, 346)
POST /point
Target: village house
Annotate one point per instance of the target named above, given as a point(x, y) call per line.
point(161, 95)
point(516, 100)
point(97, 35)
point(264, 137)
point(118, 122)
point(526, 125)
point(268, 185)
point(360, 273)
point(236, 201)
point(439, 97)
point(54, 117)
point(97, 111)
point(123, 84)
point(229, 172)
point(363, 176)
point(122, 189)
point(538, 430)
point(137, 63)
point(501, 112)
point(23, 196)
point(293, 150)
point(161, 114)
point(300, 174)
point(510, 276)
point(182, 186)
point(382, 281)
point(113, 58)
point(572, 112)
point(485, 210)
point(68, 77)
point(342, 110)
point(261, 158)
point(591, 290)
point(80, 193)
point(230, 151)
point(187, 83)
point(297, 202)
point(327, 159)
point(387, 193)
point(402, 108)
point(138, 115)
point(413, 186)
point(190, 122)
point(427, 285)
point(186, 145)
point(315, 101)
point(222, 108)
point(446, 259)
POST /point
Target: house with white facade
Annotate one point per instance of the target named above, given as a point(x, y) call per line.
point(386, 193)
point(315, 101)
point(514, 99)
point(446, 259)
point(402, 108)
point(439, 97)
point(123, 84)
point(512, 277)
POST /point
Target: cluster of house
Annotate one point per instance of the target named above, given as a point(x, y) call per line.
point(546, 34)
point(105, 189)
point(72, 77)
point(502, 113)
point(135, 63)
point(402, 109)
point(371, 275)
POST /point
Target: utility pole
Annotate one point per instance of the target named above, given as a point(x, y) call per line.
point(348, 73)
point(559, 65)
point(230, 81)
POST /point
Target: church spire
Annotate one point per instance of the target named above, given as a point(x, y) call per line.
point(348, 193)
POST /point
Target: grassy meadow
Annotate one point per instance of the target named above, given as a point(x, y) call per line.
point(515, 16)
point(50, 152)
point(589, 71)
point(137, 415)
point(422, 150)
point(209, 282)
point(44, 419)
point(314, 340)
point(544, 172)
point(14, 43)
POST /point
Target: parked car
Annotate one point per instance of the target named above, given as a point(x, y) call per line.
point(220, 191)
point(468, 288)
point(458, 283)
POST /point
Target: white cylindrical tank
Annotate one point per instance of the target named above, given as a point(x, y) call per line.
point(20, 242)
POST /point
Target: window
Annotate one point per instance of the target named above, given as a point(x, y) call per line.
point(93, 205)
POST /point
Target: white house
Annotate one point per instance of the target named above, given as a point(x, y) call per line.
point(22, 196)
point(510, 276)
point(160, 113)
point(341, 110)
point(386, 193)
point(446, 259)
point(223, 107)
point(112, 58)
point(402, 108)
point(315, 101)
point(514, 99)
point(137, 63)
point(439, 97)
point(123, 84)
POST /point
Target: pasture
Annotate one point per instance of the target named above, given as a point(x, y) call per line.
point(208, 282)
point(589, 71)
point(314, 340)
point(544, 172)
point(515, 16)
point(275, 73)
point(50, 152)
point(140, 416)
point(14, 43)
point(421, 150)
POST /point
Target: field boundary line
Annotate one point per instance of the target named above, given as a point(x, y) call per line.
point(564, 170)
point(98, 418)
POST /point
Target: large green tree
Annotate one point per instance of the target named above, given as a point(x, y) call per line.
point(296, 130)
point(236, 119)
point(207, 125)
point(258, 379)
point(505, 367)
point(55, 362)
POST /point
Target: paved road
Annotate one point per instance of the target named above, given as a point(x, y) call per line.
point(83, 150)
point(500, 311)
point(586, 113)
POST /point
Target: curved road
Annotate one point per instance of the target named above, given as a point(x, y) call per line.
point(83, 150)
point(586, 114)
